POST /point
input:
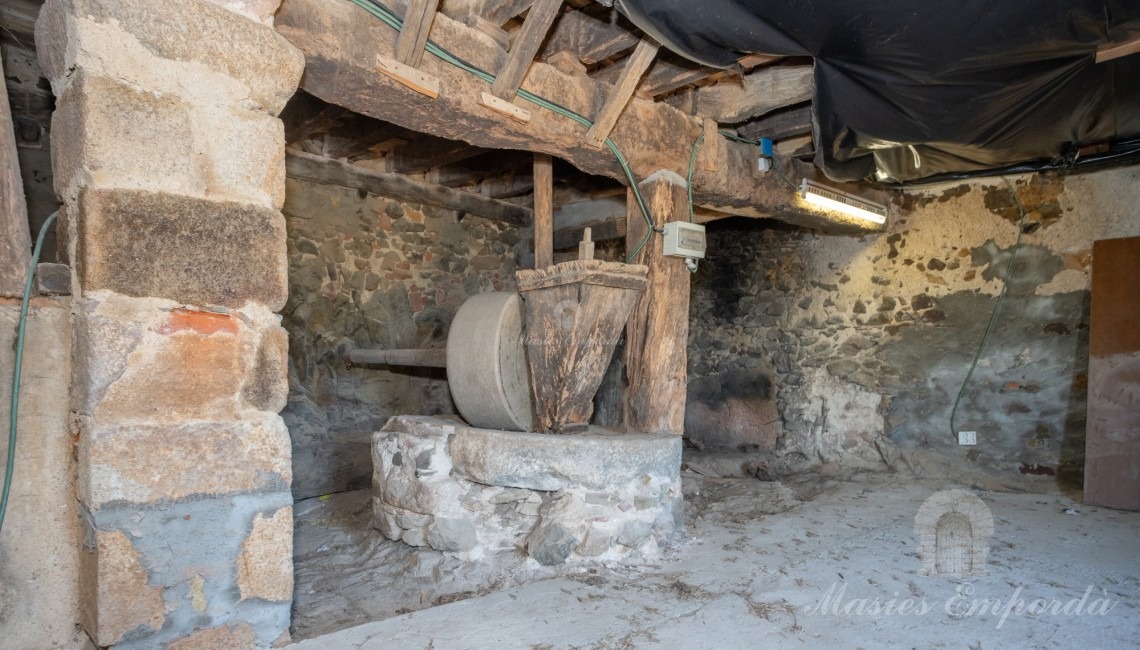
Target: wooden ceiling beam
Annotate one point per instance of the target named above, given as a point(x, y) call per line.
point(591, 39)
point(779, 125)
point(316, 169)
point(652, 135)
point(758, 93)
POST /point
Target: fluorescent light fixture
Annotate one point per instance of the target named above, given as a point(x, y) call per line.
point(848, 204)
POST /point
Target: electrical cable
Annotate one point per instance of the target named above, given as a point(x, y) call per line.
point(17, 367)
point(392, 20)
point(692, 164)
point(692, 263)
point(997, 307)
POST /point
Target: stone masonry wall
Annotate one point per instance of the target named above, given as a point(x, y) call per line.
point(823, 348)
point(168, 159)
point(365, 271)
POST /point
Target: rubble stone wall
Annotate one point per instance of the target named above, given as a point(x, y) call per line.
point(369, 272)
point(818, 348)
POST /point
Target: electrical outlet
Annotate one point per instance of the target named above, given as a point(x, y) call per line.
point(967, 437)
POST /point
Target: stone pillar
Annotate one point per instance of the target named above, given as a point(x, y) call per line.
point(169, 161)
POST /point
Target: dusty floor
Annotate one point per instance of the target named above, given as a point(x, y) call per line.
point(809, 562)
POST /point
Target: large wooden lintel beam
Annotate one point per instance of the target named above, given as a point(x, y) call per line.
point(307, 167)
point(651, 135)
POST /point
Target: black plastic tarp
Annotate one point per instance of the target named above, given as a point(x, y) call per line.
point(907, 90)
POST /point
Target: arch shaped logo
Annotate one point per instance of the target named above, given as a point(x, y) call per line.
point(953, 528)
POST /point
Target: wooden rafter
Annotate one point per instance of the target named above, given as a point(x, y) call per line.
point(525, 47)
point(622, 92)
point(414, 35)
point(1117, 50)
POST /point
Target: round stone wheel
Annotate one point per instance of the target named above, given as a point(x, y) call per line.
point(486, 363)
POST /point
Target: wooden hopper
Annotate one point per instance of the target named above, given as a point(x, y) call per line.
point(574, 312)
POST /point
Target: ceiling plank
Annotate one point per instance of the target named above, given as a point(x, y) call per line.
point(780, 125)
point(526, 45)
point(666, 77)
point(622, 92)
point(591, 39)
point(756, 60)
point(308, 167)
point(1116, 50)
point(494, 12)
point(652, 135)
point(760, 92)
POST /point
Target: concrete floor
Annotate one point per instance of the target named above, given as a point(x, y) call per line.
point(760, 558)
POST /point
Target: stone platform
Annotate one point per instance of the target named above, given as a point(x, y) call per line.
point(596, 495)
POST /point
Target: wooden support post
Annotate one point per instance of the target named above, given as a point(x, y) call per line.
point(586, 246)
point(543, 211)
point(15, 239)
point(530, 38)
point(638, 63)
point(413, 37)
point(658, 329)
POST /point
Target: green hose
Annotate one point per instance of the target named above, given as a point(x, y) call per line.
point(997, 307)
point(19, 365)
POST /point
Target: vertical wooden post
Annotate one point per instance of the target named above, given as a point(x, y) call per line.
point(543, 211)
point(657, 332)
point(15, 239)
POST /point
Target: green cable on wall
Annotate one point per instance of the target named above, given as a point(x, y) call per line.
point(17, 367)
point(997, 307)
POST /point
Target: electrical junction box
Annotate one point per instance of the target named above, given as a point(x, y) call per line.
point(684, 239)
